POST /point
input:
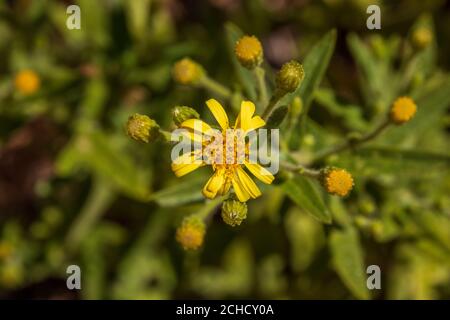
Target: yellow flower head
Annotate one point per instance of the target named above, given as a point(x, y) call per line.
point(403, 110)
point(27, 82)
point(337, 181)
point(187, 71)
point(228, 164)
point(249, 51)
point(191, 233)
point(422, 37)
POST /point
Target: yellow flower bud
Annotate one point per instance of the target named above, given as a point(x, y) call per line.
point(422, 37)
point(289, 77)
point(27, 82)
point(6, 249)
point(403, 110)
point(337, 181)
point(142, 128)
point(234, 212)
point(182, 113)
point(249, 52)
point(187, 71)
point(191, 233)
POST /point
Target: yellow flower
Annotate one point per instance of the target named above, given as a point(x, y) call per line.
point(187, 71)
point(227, 173)
point(337, 181)
point(191, 233)
point(422, 37)
point(403, 110)
point(249, 51)
point(27, 82)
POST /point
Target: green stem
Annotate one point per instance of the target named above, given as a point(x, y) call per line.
point(297, 168)
point(96, 204)
point(353, 142)
point(271, 106)
point(215, 87)
point(209, 206)
point(261, 81)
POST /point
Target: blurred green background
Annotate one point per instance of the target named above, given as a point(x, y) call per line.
point(75, 190)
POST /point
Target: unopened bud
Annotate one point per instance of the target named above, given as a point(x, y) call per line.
point(249, 52)
point(183, 113)
point(191, 233)
point(289, 77)
point(336, 181)
point(142, 128)
point(234, 212)
point(187, 71)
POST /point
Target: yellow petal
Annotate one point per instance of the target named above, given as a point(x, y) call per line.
point(256, 122)
point(225, 187)
point(249, 185)
point(196, 125)
point(185, 164)
point(239, 189)
point(247, 111)
point(259, 172)
point(193, 136)
point(218, 112)
point(213, 185)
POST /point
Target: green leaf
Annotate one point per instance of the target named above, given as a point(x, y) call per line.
point(349, 114)
point(246, 78)
point(315, 64)
point(432, 103)
point(181, 193)
point(277, 117)
point(303, 193)
point(348, 261)
point(103, 155)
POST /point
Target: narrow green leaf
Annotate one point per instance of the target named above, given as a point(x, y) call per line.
point(315, 65)
point(185, 192)
point(348, 261)
point(277, 117)
point(246, 78)
point(303, 193)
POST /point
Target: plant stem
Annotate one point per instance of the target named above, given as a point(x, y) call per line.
point(272, 103)
point(215, 87)
point(209, 206)
point(297, 168)
point(262, 89)
point(353, 142)
point(97, 202)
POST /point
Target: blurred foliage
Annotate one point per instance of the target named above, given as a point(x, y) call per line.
point(75, 190)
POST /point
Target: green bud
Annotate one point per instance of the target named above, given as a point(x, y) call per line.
point(142, 128)
point(183, 113)
point(296, 107)
point(289, 77)
point(234, 212)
